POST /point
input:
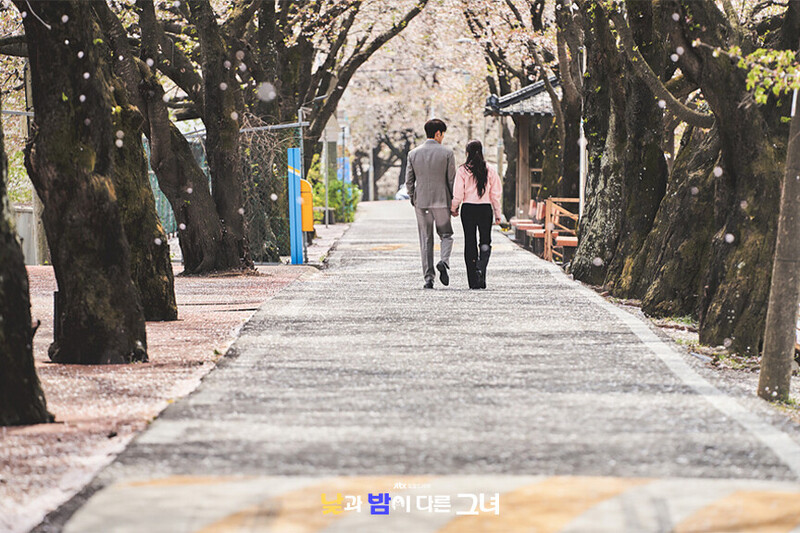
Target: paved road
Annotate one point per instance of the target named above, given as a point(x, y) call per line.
point(355, 380)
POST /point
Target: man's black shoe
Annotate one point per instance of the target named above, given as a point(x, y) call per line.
point(428, 285)
point(443, 276)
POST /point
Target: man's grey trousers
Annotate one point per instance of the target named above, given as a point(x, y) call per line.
point(427, 218)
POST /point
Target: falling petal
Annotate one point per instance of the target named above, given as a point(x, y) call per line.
point(266, 92)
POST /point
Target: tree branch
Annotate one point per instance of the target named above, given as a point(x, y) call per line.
point(14, 45)
point(557, 111)
point(170, 59)
point(646, 74)
point(243, 13)
point(354, 62)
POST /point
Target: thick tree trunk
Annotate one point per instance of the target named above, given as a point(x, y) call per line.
point(151, 266)
point(667, 272)
point(222, 107)
point(733, 304)
point(624, 199)
point(21, 397)
point(604, 107)
point(70, 161)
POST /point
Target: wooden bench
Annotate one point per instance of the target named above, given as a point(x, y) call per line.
point(567, 240)
point(561, 236)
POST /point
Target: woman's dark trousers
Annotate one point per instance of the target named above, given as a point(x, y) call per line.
point(477, 219)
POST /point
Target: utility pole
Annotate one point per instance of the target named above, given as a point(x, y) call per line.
point(784, 293)
point(371, 174)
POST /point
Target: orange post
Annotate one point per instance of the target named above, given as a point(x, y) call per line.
point(308, 205)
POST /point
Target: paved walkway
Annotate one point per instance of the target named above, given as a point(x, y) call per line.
point(571, 411)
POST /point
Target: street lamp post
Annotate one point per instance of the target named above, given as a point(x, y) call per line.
point(300, 126)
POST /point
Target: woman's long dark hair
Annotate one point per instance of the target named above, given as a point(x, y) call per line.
point(477, 165)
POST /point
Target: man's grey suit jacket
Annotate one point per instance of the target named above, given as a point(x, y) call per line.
point(430, 174)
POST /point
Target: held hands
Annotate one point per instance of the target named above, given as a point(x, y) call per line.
point(454, 211)
point(497, 221)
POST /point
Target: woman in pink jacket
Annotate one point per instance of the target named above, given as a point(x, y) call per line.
point(478, 186)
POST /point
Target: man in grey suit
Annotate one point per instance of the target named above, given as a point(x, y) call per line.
point(430, 174)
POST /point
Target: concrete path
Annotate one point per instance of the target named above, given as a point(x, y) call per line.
point(534, 405)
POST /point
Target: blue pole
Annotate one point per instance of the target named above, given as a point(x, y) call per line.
point(295, 213)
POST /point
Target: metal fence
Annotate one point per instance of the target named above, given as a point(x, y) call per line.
point(264, 186)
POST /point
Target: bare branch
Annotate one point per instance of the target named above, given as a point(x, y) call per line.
point(559, 113)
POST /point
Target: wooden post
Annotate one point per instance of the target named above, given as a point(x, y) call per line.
point(779, 337)
point(523, 167)
point(548, 230)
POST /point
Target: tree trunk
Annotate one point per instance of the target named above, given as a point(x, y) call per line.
point(510, 176)
point(570, 173)
point(545, 153)
point(21, 397)
point(668, 271)
point(151, 266)
point(205, 245)
point(623, 200)
point(604, 107)
point(222, 107)
point(70, 160)
point(732, 307)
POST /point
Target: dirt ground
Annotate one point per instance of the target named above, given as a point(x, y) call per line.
point(99, 409)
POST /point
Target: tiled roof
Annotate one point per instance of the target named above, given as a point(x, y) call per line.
point(530, 100)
